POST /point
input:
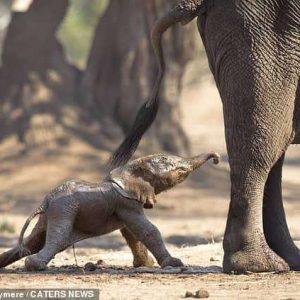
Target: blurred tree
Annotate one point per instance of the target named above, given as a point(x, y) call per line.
point(33, 66)
point(41, 98)
point(76, 31)
point(5, 6)
point(121, 69)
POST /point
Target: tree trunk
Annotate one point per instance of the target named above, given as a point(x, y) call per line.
point(34, 77)
point(121, 70)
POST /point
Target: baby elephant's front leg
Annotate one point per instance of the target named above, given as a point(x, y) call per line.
point(132, 214)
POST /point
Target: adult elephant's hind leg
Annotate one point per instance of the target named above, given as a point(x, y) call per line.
point(245, 245)
point(141, 257)
point(259, 123)
point(275, 227)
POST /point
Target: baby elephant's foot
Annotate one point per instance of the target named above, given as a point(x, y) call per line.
point(171, 262)
point(34, 263)
point(143, 262)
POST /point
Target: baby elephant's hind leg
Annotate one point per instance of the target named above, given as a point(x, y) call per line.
point(141, 257)
point(58, 238)
point(34, 243)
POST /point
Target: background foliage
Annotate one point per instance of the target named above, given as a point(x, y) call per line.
point(77, 29)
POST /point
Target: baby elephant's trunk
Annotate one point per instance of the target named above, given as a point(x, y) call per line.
point(201, 159)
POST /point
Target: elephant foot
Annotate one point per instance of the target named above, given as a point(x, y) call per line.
point(295, 267)
point(143, 261)
point(141, 257)
point(34, 263)
point(261, 259)
point(291, 256)
point(171, 262)
point(282, 244)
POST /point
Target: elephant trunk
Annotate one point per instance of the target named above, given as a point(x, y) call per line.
point(199, 160)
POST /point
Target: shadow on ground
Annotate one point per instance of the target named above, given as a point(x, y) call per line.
point(120, 270)
point(191, 240)
point(117, 242)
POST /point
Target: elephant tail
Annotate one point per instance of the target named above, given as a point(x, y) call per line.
point(40, 210)
point(33, 245)
point(184, 12)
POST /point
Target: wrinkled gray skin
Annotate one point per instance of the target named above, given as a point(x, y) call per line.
point(77, 210)
point(254, 52)
point(253, 48)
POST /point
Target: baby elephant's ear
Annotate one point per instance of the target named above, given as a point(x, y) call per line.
point(133, 187)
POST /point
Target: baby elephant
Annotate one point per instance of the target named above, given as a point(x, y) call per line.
point(77, 210)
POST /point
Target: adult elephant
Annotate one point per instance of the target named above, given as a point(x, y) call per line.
point(253, 48)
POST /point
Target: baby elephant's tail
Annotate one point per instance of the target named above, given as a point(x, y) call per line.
point(32, 245)
point(40, 210)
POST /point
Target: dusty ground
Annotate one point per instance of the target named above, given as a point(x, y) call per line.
point(122, 283)
point(191, 218)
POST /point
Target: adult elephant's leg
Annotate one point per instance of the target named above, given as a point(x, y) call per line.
point(257, 84)
point(141, 257)
point(245, 246)
point(274, 221)
point(254, 146)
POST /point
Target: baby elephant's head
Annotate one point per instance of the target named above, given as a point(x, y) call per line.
point(164, 171)
point(143, 178)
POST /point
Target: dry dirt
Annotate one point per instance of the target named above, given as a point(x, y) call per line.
point(122, 283)
point(191, 218)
